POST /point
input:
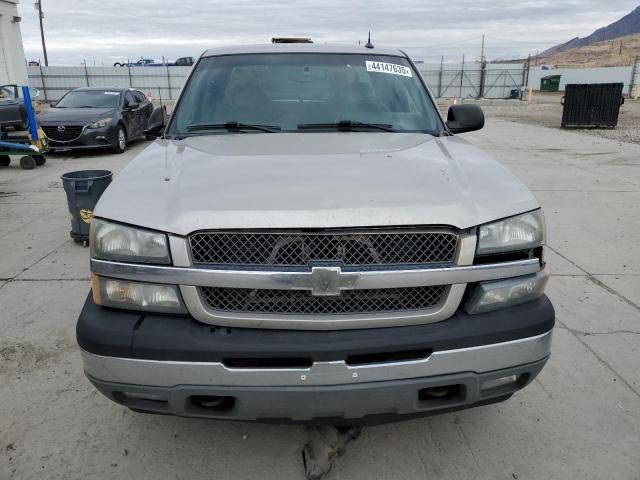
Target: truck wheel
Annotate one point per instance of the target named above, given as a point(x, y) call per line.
point(120, 142)
point(40, 160)
point(28, 163)
point(5, 160)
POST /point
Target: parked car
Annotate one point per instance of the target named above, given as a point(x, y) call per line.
point(184, 62)
point(143, 62)
point(311, 241)
point(12, 111)
point(96, 117)
point(148, 62)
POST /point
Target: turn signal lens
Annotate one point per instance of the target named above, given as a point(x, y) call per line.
point(494, 295)
point(137, 296)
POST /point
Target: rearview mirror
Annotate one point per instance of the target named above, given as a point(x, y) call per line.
point(465, 118)
point(155, 125)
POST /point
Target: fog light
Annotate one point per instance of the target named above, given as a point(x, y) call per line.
point(147, 297)
point(497, 294)
point(145, 396)
point(499, 382)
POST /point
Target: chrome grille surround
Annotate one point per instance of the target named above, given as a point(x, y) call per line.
point(299, 302)
point(299, 249)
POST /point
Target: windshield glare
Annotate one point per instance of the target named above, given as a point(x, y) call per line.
point(287, 91)
point(90, 99)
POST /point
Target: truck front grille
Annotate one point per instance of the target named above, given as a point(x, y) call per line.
point(299, 302)
point(300, 248)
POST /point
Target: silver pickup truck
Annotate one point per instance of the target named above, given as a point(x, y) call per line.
point(308, 240)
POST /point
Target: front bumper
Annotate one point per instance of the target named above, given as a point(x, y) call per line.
point(161, 364)
point(94, 138)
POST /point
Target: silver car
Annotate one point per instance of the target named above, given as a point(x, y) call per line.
point(308, 240)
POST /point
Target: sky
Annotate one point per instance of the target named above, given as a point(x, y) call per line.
point(102, 32)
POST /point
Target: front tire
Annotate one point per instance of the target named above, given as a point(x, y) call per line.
point(40, 160)
point(5, 160)
point(120, 142)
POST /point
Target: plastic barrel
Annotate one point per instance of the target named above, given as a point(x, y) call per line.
point(83, 189)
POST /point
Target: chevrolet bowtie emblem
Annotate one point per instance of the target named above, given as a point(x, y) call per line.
point(325, 281)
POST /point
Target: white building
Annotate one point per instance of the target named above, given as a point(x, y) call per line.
point(12, 62)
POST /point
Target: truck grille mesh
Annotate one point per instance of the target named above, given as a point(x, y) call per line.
point(299, 249)
point(299, 302)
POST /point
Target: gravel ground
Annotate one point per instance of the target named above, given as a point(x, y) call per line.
point(546, 111)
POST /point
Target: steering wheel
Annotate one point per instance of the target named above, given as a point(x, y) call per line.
point(363, 106)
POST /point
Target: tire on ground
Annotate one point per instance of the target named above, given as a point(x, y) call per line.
point(28, 163)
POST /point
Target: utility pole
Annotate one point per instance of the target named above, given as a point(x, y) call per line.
point(483, 70)
point(440, 77)
point(461, 76)
point(41, 16)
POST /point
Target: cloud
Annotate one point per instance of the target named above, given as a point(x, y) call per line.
point(101, 31)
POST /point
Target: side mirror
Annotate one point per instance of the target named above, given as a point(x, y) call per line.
point(155, 125)
point(133, 106)
point(53, 104)
point(465, 118)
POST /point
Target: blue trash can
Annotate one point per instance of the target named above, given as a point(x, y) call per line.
point(83, 189)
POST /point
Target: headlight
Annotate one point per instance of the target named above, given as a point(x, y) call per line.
point(110, 241)
point(521, 232)
point(101, 123)
point(494, 295)
point(148, 297)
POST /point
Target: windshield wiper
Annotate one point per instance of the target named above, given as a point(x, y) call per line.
point(346, 126)
point(233, 126)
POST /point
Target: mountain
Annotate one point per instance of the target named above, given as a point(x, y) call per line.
point(627, 25)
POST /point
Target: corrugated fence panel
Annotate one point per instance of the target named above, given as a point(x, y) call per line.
point(158, 82)
point(456, 81)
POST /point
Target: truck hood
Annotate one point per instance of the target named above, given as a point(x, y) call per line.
point(312, 180)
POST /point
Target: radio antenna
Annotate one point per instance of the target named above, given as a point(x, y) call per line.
point(369, 44)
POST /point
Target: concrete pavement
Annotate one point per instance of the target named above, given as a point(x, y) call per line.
point(579, 419)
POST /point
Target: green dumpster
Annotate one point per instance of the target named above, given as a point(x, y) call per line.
point(550, 83)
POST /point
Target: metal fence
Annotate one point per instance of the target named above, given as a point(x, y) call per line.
point(447, 80)
point(159, 82)
point(473, 80)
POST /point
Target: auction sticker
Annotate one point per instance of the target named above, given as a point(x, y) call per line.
point(392, 68)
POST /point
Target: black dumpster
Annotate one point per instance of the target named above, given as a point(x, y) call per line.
point(83, 189)
point(592, 105)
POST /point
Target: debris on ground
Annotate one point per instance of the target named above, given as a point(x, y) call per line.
point(325, 444)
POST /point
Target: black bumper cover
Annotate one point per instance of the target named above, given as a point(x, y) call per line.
point(117, 333)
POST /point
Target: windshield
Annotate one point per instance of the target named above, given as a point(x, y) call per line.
point(90, 99)
point(304, 92)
